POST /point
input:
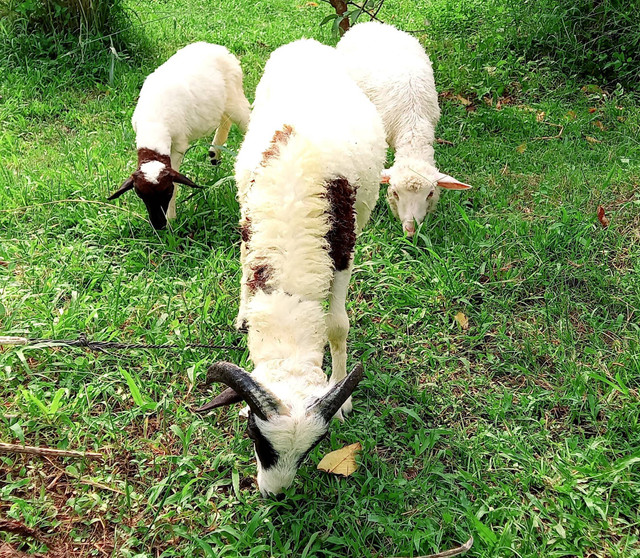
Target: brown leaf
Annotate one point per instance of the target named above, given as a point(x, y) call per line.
point(540, 116)
point(592, 140)
point(312, 4)
point(572, 114)
point(592, 110)
point(462, 320)
point(463, 100)
point(444, 141)
point(342, 461)
point(604, 221)
point(521, 148)
point(599, 124)
point(4, 264)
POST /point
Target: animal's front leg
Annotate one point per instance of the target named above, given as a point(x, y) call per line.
point(244, 291)
point(338, 329)
point(176, 161)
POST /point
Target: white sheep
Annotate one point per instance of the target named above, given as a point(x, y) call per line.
point(393, 70)
point(308, 177)
point(198, 90)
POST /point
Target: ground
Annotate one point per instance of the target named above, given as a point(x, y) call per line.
point(517, 423)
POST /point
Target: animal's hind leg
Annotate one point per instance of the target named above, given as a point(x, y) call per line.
point(222, 133)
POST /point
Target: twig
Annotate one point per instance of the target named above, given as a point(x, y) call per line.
point(551, 137)
point(452, 552)
point(444, 141)
point(47, 452)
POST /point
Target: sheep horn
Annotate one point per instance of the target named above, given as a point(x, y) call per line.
point(227, 397)
point(328, 405)
point(128, 184)
point(260, 400)
point(182, 179)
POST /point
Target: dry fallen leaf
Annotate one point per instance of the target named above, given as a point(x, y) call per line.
point(592, 110)
point(599, 124)
point(521, 148)
point(604, 221)
point(540, 116)
point(342, 461)
point(312, 4)
point(465, 102)
point(592, 140)
point(462, 320)
point(571, 114)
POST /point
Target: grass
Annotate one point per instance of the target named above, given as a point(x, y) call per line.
point(523, 430)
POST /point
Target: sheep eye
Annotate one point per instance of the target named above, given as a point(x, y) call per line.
point(430, 195)
point(395, 195)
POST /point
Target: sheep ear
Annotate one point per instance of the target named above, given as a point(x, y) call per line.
point(451, 183)
point(328, 405)
point(385, 177)
point(128, 185)
point(261, 401)
point(182, 179)
point(228, 397)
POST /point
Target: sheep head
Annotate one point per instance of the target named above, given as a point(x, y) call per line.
point(414, 191)
point(282, 434)
point(153, 182)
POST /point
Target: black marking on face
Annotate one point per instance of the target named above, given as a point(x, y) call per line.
point(266, 454)
point(157, 205)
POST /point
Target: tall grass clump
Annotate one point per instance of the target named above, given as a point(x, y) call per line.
point(589, 39)
point(74, 17)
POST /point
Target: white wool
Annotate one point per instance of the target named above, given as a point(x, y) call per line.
point(152, 170)
point(327, 129)
point(185, 98)
point(395, 73)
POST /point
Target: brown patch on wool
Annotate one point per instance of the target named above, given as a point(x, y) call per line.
point(342, 219)
point(258, 277)
point(146, 155)
point(280, 139)
point(245, 230)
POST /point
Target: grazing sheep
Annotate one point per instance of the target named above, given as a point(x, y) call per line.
point(393, 70)
point(308, 177)
point(196, 91)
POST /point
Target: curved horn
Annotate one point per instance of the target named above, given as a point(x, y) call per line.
point(328, 405)
point(260, 400)
point(128, 184)
point(227, 397)
point(182, 179)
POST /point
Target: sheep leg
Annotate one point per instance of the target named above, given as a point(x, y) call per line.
point(244, 292)
point(219, 139)
point(176, 161)
point(338, 329)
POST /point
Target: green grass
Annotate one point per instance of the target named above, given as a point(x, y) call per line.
point(523, 431)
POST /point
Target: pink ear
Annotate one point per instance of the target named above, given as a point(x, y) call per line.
point(385, 177)
point(450, 183)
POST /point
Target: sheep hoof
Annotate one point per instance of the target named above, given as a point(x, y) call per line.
point(347, 408)
point(215, 158)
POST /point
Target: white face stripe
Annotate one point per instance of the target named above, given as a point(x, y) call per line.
point(152, 170)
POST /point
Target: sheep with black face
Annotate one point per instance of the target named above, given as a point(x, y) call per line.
point(198, 90)
point(308, 178)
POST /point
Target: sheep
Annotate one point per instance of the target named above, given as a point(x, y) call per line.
point(198, 90)
point(395, 73)
point(308, 178)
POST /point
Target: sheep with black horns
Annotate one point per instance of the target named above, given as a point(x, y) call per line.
point(395, 73)
point(308, 177)
point(198, 90)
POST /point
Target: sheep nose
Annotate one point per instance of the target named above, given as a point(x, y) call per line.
point(410, 228)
